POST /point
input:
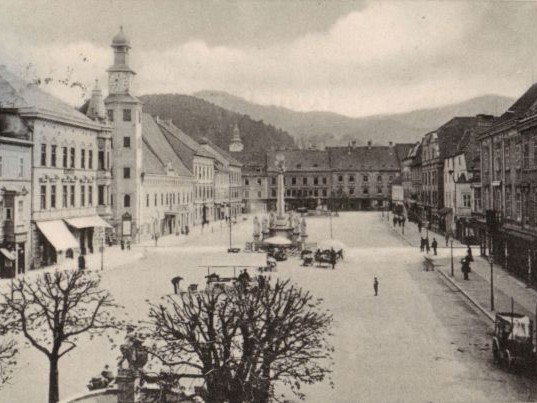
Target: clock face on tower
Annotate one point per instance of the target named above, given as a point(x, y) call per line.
point(118, 83)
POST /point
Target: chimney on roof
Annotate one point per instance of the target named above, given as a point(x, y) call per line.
point(390, 143)
point(353, 144)
point(369, 145)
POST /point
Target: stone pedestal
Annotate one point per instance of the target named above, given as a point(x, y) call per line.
point(128, 385)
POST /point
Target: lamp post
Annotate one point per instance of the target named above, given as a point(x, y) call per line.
point(452, 271)
point(102, 251)
point(491, 262)
point(451, 172)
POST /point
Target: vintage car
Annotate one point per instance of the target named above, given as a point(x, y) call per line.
point(512, 342)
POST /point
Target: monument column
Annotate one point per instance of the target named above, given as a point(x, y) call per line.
point(280, 204)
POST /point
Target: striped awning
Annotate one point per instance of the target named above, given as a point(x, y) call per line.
point(58, 234)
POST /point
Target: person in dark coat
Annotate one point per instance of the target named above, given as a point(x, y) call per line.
point(434, 244)
point(469, 254)
point(394, 220)
point(376, 286)
point(419, 226)
point(422, 244)
point(465, 268)
point(333, 258)
point(122, 244)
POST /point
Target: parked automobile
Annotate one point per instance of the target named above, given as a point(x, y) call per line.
point(512, 342)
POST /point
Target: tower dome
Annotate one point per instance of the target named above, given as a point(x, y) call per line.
point(236, 145)
point(96, 109)
point(120, 39)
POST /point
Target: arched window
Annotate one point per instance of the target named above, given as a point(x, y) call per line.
point(126, 201)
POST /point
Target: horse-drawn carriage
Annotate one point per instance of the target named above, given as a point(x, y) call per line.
point(512, 343)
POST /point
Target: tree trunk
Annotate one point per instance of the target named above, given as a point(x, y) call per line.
point(53, 388)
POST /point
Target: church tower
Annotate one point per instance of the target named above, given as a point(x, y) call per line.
point(236, 145)
point(124, 112)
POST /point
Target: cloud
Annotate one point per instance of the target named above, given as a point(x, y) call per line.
point(387, 57)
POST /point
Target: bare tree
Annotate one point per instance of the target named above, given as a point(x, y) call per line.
point(8, 352)
point(244, 341)
point(54, 309)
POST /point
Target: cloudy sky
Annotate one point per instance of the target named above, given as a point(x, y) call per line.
point(351, 57)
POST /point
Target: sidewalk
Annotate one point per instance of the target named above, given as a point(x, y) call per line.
point(477, 288)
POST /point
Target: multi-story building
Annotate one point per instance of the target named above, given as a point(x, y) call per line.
point(64, 215)
point(202, 165)
point(254, 182)
point(411, 181)
point(307, 178)
point(435, 147)
point(15, 192)
point(507, 220)
point(361, 177)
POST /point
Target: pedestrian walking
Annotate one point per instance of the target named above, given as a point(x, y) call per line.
point(469, 254)
point(128, 244)
point(434, 244)
point(333, 258)
point(422, 244)
point(376, 286)
point(427, 247)
point(122, 243)
point(465, 268)
point(419, 226)
point(394, 220)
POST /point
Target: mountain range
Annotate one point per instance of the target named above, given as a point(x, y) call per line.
point(328, 128)
point(199, 118)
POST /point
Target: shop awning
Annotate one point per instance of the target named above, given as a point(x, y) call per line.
point(444, 211)
point(9, 255)
point(57, 234)
point(86, 222)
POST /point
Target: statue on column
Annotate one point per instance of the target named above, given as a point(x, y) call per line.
point(272, 219)
point(296, 224)
point(303, 227)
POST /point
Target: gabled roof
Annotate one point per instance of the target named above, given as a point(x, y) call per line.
point(451, 133)
point(183, 143)
point(402, 150)
point(219, 153)
point(158, 145)
point(523, 106)
point(16, 93)
point(380, 158)
point(301, 160)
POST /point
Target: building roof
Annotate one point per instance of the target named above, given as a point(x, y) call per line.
point(303, 160)
point(156, 143)
point(451, 133)
point(120, 39)
point(523, 106)
point(16, 93)
point(416, 159)
point(381, 158)
point(402, 150)
point(219, 153)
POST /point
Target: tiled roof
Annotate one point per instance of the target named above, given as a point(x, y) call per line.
point(312, 160)
point(451, 133)
point(220, 154)
point(364, 158)
point(417, 158)
point(158, 143)
point(183, 141)
point(402, 150)
point(16, 93)
point(523, 106)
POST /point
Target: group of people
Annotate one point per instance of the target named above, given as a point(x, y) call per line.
point(425, 247)
point(399, 220)
point(328, 255)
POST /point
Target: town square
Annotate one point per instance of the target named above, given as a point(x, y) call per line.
point(268, 201)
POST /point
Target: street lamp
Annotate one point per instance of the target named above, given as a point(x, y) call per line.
point(491, 262)
point(452, 272)
point(451, 172)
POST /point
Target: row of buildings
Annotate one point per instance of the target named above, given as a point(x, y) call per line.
point(475, 178)
point(72, 179)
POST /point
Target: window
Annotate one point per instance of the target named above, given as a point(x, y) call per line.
point(324, 180)
point(274, 180)
point(351, 178)
point(293, 180)
point(379, 179)
point(90, 195)
point(90, 159)
point(526, 155)
point(53, 196)
point(390, 179)
point(72, 157)
point(156, 199)
point(83, 159)
point(126, 201)
point(126, 142)
point(477, 199)
point(246, 182)
point(20, 209)
point(351, 191)
point(82, 196)
point(53, 149)
point(273, 192)
point(162, 197)
point(110, 115)
point(64, 197)
point(379, 189)
point(324, 192)
point(466, 200)
point(340, 178)
point(365, 190)
point(259, 181)
point(43, 155)
point(259, 194)
point(126, 115)
point(64, 157)
point(21, 167)
point(43, 197)
point(72, 196)
point(126, 172)
point(316, 180)
point(304, 181)
point(100, 195)
point(508, 202)
point(518, 206)
point(8, 213)
point(100, 160)
point(147, 200)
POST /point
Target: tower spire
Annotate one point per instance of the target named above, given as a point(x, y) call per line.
point(236, 142)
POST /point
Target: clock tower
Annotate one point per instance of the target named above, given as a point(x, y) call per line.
point(124, 112)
